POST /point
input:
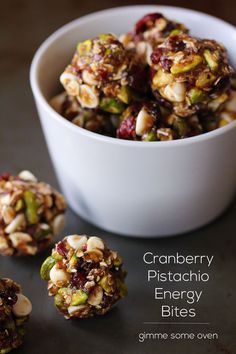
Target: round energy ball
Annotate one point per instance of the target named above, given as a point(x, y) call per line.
point(31, 214)
point(190, 74)
point(148, 32)
point(97, 75)
point(84, 276)
point(14, 313)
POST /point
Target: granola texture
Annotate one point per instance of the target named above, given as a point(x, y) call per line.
point(153, 83)
point(84, 276)
point(14, 313)
point(190, 74)
point(31, 214)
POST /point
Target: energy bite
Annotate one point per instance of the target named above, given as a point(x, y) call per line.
point(148, 32)
point(84, 276)
point(190, 74)
point(90, 119)
point(31, 214)
point(97, 75)
point(14, 313)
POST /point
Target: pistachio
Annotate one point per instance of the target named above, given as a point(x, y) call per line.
point(89, 78)
point(187, 65)
point(58, 276)
point(150, 136)
point(22, 307)
point(76, 242)
point(58, 300)
point(95, 242)
point(196, 95)
point(31, 206)
point(205, 79)
point(46, 267)
point(58, 224)
point(104, 282)
point(175, 92)
point(112, 105)
point(125, 94)
point(8, 214)
point(27, 176)
point(43, 232)
point(79, 298)
point(19, 205)
point(211, 59)
point(17, 222)
point(95, 297)
point(84, 47)
point(161, 79)
point(87, 97)
point(19, 237)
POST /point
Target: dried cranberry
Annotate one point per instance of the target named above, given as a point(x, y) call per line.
point(165, 63)
point(5, 176)
point(175, 44)
point(137, 78)
point(127, 129)
point(78, 280)
point(61, 248)
point(156, 55)
point(146, 22)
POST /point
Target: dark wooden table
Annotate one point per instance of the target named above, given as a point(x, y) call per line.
point(23, 26)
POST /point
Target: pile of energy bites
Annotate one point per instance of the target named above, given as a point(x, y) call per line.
point(84, 276)
point(154, 83)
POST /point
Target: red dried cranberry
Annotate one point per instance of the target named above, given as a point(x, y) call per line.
point(5, 177)
point(127, 129)
point(137, 78)
point(156, 55)
point(61, 248)
point(146, 22)
point(78, 280)
point(176, 43)
point(165, 63)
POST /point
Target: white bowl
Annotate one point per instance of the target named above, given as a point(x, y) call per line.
point(135, 188)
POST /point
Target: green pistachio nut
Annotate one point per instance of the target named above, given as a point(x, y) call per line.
point(79, 298)
point(161, 78)
point(84, 47)
point(151, 136)
point(183, 67)
point(205, 79)
point(112, 105)
point(73, 261)
point(19, 205)
point(57, 256)
point(195, 95)
point(125, 94)
point(46, 267)
point(105, 284)
point(175, 32)
point(58, 300)
point(42, 233)
point(5, 350)
point(211, 59)
point(31, 207)
point(106, 37)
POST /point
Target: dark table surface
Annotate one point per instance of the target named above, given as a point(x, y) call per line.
point(23, 26)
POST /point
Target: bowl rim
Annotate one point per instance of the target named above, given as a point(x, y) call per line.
point(39, 97)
